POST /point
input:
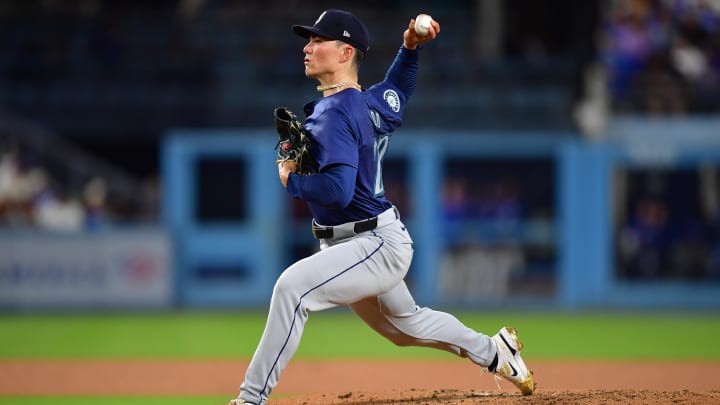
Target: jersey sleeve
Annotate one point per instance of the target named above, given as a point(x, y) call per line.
point(388, 98)
point(403, 71)
point(332, 188)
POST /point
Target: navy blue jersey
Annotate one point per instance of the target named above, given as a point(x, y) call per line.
point(342, 133)
point(351, 129)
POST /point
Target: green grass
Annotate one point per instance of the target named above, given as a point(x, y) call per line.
point(154, 335)
point(339, 334)
point(336, 334)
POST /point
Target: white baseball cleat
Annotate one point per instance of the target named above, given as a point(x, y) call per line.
point(510, 365)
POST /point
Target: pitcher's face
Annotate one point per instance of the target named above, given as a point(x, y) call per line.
point(322, 56)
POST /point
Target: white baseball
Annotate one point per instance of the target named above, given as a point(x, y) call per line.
point(422, 24)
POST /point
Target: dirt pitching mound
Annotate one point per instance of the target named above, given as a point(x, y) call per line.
point(457, 397)
point(373, 381)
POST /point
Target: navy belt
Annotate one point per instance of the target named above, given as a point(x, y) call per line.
point(327, 232)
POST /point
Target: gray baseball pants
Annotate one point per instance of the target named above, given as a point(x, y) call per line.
point(364, 271)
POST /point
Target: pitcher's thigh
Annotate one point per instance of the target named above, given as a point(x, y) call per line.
point(340, 274)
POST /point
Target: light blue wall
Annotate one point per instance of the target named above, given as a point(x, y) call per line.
point(584, 269)
point(586, 273)
point(255, 244)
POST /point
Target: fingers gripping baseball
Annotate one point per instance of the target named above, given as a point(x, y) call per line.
point(412, 38)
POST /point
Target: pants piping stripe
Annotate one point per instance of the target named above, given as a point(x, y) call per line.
point(297, 307)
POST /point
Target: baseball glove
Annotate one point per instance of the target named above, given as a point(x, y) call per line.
point(294, 141)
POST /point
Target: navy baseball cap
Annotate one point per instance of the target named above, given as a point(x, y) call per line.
point(340, 25)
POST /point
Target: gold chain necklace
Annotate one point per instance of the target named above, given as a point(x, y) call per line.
point(336, 85)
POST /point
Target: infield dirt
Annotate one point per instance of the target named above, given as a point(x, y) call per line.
point(375, 382)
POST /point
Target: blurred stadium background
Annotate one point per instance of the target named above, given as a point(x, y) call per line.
point(556, 154)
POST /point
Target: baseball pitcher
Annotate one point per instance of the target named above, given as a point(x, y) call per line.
point(333, 161)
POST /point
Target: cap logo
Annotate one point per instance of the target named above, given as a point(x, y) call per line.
point(346, 34)
point(320, 18)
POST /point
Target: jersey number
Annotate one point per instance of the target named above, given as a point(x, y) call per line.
point(381, 146)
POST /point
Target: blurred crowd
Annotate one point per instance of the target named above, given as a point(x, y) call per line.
point(98, 70)
point(35, 193)
point(147, 65)
point(663, 56)
point(483, 232)
point(663, 234)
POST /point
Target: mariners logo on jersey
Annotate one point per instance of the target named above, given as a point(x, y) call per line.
point(393, 100)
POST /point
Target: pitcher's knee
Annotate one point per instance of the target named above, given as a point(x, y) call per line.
point(398, 338)
point(402, 340)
